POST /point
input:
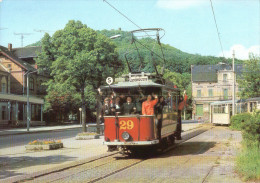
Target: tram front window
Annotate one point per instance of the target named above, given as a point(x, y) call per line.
point(125, 101)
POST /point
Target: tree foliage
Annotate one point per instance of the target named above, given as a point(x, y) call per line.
point(78, 60)
point(176, 60)
point(250, 79)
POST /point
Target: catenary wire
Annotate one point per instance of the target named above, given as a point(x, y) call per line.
point(217, 28)
point(138, 27)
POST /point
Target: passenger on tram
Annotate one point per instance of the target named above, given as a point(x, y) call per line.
point(128, 107)
point(182, 102)
point(115, 106)
point(159, 114)
point(138, 100)
point(148, 105)
point(122, 99)
point(106, 109)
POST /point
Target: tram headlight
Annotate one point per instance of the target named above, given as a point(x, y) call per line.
point(125, 135)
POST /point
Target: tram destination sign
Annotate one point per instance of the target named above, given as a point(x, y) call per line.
point(138, 79)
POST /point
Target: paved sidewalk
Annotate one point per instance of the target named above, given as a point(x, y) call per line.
point(16, 131)
point(16, 161)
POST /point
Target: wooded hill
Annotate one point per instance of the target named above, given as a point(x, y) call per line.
point(176, 60)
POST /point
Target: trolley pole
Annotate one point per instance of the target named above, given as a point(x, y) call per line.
point(234, 86)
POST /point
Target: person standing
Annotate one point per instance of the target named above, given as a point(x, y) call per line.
point(106, 109)
point(159, 115)
point(148, 105)
point(128, 107)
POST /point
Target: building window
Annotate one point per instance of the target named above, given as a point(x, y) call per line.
point(198, 93)
point(199, 110)
point(3, 88)
point(31, 84)
point(224, 77)
point(225, 93)
point(210, 91)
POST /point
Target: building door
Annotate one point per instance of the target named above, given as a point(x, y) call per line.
point(199, 110)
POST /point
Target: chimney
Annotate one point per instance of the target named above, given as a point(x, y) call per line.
point(9, 46)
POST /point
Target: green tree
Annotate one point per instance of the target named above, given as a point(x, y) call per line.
point(45, 57)
point(250, 79)
point(82, 60)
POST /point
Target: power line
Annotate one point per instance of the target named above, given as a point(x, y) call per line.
point(217, 28)
point(124, 15)
point(145, 31)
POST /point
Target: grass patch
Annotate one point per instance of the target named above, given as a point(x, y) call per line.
point(248, 163)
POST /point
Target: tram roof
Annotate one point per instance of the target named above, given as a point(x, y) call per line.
point(137, 85)
point(223, 102)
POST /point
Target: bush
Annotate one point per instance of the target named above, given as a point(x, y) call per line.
point(251, 131)
point(248, 163)
point(238, 120)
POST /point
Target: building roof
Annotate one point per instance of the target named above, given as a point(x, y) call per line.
point(209, 73)
point(15, 59)
point(26, 52)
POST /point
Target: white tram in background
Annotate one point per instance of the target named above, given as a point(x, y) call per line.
point(221, 111)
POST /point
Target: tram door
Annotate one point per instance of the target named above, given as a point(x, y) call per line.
point(170, 112)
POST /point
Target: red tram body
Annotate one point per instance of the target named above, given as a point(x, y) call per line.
point(136, 130)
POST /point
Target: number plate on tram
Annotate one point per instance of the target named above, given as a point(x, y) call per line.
point(129, 125)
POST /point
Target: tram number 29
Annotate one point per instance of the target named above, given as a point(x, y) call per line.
point(126, 125)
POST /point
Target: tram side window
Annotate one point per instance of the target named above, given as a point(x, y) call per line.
point(171, 101)
point(219, 109)
point(167, 100)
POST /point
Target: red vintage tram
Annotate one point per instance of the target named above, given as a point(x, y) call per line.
point(134, 131)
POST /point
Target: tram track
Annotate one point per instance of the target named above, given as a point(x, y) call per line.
point(106, 166)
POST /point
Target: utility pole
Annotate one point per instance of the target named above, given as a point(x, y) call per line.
point(22, 36)
point(28, 103)
point(234, 86)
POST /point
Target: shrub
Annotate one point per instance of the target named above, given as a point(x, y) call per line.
point(251, 131)
point(238, 120)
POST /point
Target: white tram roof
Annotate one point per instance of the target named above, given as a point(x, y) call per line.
point(223, 102)
point(137, 85)
point(256, 99)
point(134, 84)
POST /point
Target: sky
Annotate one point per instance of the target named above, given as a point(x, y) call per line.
point(189, 24)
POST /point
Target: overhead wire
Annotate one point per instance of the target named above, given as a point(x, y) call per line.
point(217, 28)
point(139, 28)
point(124, 15)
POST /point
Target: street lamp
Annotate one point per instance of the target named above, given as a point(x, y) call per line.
point(28, 104)
point(80, 121)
